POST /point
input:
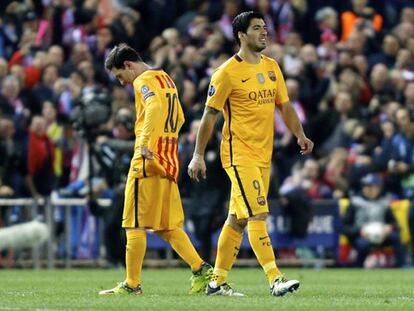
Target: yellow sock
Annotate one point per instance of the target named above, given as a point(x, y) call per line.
point(181, 243)
point(135, 252)
point(263, 249)
point(227, 249)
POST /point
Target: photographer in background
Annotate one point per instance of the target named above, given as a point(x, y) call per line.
point(115, 154)
point(89, 119)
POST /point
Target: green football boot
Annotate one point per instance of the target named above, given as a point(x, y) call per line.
point(122, 289)
point(200, 279)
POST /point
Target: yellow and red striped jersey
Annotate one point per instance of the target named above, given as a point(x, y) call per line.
point(155, 89)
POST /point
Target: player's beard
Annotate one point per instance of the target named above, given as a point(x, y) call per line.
point(257, 47)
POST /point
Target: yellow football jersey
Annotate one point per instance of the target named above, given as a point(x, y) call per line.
point(155, 87)
point(247, 95)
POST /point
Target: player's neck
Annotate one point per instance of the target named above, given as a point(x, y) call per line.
point(249, 56)
point(140, 68)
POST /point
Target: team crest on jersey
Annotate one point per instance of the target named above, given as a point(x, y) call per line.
point(260, 78)
point(211, 90)
point(261, 200)
point(272, 75)
point(144, 89)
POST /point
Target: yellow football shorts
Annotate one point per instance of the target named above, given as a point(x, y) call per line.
point(249, 187)
point(152, 203)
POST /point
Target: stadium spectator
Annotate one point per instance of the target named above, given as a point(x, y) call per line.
point(55, 134)
point(401, 163)
point(265, 8)
point(305, 183)
point(292, 64)
point(380, 85)
point(336, 172)
point(369, 222)
point(3, 69)
point(388, 54)
point(231, 9)
point(55, 56)
point(360, 62)
point(312, 181)
point(361, 17)
point(79, 53)
point(288, 17)
point(12, 161)
point(327, 20)
point(43, 90)
point(40, 178)
point(404, 32)
point(364, 155)
point(334, 120)
point(409, 96)
point(313, 79)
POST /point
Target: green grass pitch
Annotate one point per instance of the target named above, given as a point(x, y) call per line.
point(166, 289)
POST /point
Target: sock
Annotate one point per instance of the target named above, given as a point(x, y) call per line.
point(135, 252)
point(227, 249)
point(263, 249)
point(181, 244)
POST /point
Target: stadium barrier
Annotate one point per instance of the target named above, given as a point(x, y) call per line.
point(323, 229)
point(47, 207)
point(31, 207)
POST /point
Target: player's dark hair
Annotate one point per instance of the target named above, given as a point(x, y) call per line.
point(242, 21)
point(119, 54)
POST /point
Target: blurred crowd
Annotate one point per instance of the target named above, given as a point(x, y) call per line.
point(348, 65)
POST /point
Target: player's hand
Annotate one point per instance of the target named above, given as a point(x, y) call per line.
point(196, 167)
point(387, 230)
point(306, 145)
point(146, 153)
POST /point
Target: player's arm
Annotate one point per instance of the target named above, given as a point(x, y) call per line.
point(291, 119)
point(152, 104)
point(197, 164)
point(152, 116)
point(218, 92)
point(206, 129)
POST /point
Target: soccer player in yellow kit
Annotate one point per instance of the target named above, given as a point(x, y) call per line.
point(247, 88)
point(152, 199)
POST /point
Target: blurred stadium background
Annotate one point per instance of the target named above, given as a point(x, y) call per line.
point(65, 124)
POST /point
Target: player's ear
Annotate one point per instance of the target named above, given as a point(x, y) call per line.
point(127, 64)
point(240, 35)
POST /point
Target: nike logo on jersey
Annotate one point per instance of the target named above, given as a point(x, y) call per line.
point(262, 238)
point(244, 80)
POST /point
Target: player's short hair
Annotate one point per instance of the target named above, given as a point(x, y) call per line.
point(242, 21)
point(119, 54)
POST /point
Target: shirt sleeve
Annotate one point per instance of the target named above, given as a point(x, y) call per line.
point(151, 102)
point(218, 90)
point(281, 90)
